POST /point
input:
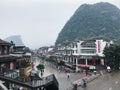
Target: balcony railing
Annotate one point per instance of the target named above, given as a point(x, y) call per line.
point(12, 76)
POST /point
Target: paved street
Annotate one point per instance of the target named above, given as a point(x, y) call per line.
point(64, 82)
point(109, 81)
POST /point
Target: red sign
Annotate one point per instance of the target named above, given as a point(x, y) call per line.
point(58, 61)
point(78, 57)
point(99, 47)
point(83, 66)
point(48, 55)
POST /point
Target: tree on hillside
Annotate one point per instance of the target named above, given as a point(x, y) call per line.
point(112, 55)
point(92, 21)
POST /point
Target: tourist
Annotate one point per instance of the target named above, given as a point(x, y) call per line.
point(68, 75)
point(108, 69)
point(41, 74)
point(75, 86)
point(84, 82)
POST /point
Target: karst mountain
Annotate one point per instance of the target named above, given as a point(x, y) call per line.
point(100, 20)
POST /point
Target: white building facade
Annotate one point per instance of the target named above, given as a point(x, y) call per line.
point(82, 54)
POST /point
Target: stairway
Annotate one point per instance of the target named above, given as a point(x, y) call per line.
point(54, 85)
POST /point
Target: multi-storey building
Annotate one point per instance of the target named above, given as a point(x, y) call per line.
point(42, 51)
point(6, 59)
point(90, 53)
point(82, 54)
point(13, 58)
point(16, 70)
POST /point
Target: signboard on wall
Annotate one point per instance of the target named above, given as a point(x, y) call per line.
point(99, 47)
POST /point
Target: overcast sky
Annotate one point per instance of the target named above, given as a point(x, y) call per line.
point(38, 21)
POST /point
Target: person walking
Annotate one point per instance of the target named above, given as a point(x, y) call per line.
point(84, 82)
point(68, 75)
point(108, 69)
point(41, 74)
point(75, 86)
point(85, 72)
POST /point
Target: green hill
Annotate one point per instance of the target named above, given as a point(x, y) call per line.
point(100, 20)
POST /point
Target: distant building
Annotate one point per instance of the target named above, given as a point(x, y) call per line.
point(42, 51)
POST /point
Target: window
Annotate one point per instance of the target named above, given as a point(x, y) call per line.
point(88, 51)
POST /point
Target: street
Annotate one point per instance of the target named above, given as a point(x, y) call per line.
point(109, 81)
point(64, 82)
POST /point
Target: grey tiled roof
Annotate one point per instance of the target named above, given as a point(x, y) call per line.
point(2, 42)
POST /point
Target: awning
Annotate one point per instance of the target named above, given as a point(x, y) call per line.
point(83, 66)
point(70, 66)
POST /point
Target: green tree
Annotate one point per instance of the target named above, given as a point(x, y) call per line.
point(40, 67)
point(112, 55)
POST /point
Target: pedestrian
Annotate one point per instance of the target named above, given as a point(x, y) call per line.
point(95, 72)
point(43, 70)
point(41, 74)
point(68, 75)
point(101, 72)
point(84, 72)
point(75, 86)
point(108, 69)
point(84, 82)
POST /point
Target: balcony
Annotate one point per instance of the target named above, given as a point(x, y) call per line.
point(12, 76)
